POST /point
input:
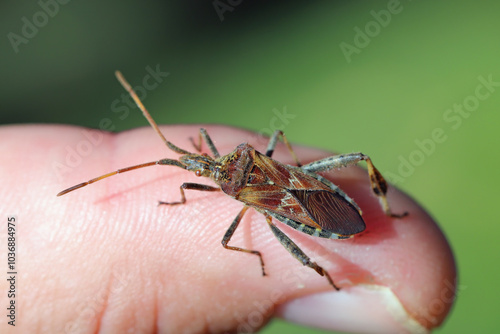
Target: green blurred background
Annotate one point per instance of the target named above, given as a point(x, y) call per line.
point(346, 81)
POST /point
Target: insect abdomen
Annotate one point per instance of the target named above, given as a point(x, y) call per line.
point(315, 232)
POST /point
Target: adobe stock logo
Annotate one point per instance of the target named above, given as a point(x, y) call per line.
point(225, 6)
point(278, 121)
point(453, 118)
point(362, 38)
point(30, 28)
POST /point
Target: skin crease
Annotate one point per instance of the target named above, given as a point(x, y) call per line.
point(107, 258)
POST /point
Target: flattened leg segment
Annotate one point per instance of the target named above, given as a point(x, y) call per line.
point(377, 181)
point(297, 253)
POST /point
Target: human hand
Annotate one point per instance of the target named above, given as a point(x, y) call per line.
point(107, 258)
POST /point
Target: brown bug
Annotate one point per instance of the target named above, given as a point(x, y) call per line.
point(294, 195)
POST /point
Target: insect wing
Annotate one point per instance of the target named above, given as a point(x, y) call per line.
point(320, 209)
point(276, 199)
point(331, 211)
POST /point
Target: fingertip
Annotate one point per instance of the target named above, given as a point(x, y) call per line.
point(359, 309)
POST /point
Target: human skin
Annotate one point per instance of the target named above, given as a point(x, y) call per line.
point(107, 258)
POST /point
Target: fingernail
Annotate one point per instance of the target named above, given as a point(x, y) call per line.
point(360, 309)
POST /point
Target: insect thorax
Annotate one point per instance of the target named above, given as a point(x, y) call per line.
point(231, 171)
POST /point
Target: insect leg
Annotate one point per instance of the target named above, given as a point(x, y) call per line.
point(197, 147)
point(189, 186)
point(203, 134)
point(272, 144)
point(297, 253)
point(377, 181)
point(229, 234)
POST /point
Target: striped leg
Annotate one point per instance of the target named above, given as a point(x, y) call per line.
point(297, 253)
point(377, 181)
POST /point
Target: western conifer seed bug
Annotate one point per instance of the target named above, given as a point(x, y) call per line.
point(294, 195)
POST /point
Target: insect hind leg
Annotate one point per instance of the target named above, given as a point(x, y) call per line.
point(377, 181)
point(297, 253)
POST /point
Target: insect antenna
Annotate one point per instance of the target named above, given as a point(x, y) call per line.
point(170, 162)
point(146, 114)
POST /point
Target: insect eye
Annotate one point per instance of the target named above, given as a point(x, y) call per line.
point(197, 173)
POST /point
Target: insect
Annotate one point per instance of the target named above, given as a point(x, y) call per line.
point(294, 195)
